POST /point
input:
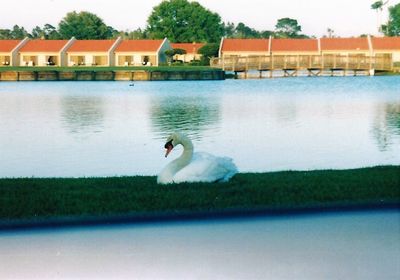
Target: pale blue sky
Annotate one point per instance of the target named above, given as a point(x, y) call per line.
point(345, 17)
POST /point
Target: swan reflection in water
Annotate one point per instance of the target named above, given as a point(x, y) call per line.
point(194, 167)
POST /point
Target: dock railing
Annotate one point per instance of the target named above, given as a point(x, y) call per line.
point(303, 62)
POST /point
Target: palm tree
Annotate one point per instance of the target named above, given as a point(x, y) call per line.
point(378, 6)
point(330, 32)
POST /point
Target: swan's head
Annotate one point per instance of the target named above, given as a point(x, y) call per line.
point(172, 141)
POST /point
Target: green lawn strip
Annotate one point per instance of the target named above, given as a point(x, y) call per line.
point(108, 68)
point(38, 198)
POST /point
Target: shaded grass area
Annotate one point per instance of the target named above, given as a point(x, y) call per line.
point(108, 68)
point(36, 198)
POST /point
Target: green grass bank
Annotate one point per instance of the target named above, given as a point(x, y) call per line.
point(40, 199)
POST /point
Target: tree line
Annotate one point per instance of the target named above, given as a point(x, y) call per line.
point(392, 27)
point(180, 21)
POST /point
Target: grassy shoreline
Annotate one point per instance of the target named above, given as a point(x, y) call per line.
point(68, 200)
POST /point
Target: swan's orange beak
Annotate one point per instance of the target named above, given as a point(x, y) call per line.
point(169, 148)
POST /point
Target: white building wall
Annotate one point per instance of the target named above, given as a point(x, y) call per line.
point(161, 57)
point(42, 60)
point(15, 57)
point(64, 59)
point(89, 59)
point(111, 52)
point(137, 59)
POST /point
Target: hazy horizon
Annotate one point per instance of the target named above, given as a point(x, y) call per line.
point(346, 18)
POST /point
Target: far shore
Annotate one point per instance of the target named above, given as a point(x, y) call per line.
point(55, 202)
point(145, 73)
point(153, 73)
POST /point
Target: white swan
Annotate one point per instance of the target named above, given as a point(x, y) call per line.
point(194, 167)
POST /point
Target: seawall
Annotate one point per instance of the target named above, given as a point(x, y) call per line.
point(117, 75)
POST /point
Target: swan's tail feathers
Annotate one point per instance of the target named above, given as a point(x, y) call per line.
point(230, 167)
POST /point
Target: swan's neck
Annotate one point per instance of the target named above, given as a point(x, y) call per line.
point(167, 175)
point(186, 156)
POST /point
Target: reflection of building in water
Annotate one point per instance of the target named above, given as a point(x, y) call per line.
point(189, 114)
point(386, 126)
point(82, 115)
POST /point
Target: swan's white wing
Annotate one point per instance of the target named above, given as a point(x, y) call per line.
point(206, 168)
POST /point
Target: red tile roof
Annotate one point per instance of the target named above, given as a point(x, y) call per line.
point(386, 43)
point(43, 46)
point(139, 46)
point(245, 45)
point(339, 44)
point(188, 47)
point(91, 46)
point(293, 45)
point(8, 45)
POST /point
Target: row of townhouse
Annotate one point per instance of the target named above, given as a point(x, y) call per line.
point(364, 46)
point(83, 52)
point(91, 52)
point(152, 52)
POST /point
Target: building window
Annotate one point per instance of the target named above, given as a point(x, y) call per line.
point(77, 60)
point(4, 60)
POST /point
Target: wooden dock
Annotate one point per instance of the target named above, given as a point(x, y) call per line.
point(312, 65)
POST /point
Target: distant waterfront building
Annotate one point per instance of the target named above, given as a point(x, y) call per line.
point(9, 51)
point(388, 47)
point(244, 47)
point(363, 46)
point(141, 52)
point(44, 53)
point(314, 56)
point(294, 47)
point(119, 52)
point(92, 52)
point(345, 46)
point(191, 49)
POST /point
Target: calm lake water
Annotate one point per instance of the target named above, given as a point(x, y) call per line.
point(59, 129)
point(50, 129)
point(342, 246)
